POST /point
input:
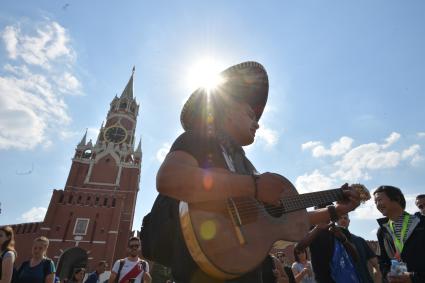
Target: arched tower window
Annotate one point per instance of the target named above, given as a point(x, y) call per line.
point(87, 153)
point(123, 105)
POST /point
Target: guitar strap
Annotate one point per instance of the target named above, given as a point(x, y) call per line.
point(228, 159)
point(231, 164)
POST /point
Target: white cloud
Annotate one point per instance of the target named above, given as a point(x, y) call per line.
point(367, 211)
point(337, 148)
point(32, 102)
point(11, 41)
point(49, 42)
point(421, 135)
point(310, 144)
point(69, 84)
point(162, 152)
point(355, 163)
point(268, 136)
point(315, 181)
point(35, 214)
point(393, 138)
point(413, 153)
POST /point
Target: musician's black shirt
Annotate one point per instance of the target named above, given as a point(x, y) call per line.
point(208, 151)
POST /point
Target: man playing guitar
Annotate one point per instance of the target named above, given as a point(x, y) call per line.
point(207, 162)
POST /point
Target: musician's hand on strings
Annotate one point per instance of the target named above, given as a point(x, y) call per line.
point(350, 202)
point(269, 188)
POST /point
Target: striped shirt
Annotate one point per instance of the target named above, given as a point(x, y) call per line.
point(398, 226)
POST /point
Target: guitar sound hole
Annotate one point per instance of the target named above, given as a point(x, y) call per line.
point(275, 211)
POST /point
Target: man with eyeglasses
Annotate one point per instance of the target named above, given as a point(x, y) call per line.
point(420, 203)
point(131, 269)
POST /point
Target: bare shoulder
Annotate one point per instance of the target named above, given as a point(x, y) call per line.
point(179, 157)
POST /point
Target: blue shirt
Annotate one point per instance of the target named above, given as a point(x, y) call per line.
point(92, 278)
point(37, 273)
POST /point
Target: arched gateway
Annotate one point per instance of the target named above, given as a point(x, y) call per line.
point(70, 260)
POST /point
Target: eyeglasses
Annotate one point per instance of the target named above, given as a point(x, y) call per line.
point(134, 246)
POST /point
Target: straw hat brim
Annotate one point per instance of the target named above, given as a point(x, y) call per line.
point(246, 82)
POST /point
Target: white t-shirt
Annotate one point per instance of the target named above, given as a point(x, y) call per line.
point(129, 265)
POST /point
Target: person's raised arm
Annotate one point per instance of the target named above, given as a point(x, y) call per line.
point(311, 235)
point(181, 177)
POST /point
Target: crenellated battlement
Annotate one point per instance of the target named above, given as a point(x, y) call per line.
point(91, 199)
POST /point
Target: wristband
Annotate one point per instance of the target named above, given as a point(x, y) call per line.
point(255, 178)
point(332, 213)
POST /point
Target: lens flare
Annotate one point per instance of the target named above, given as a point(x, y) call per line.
point(205, 73)
point(208, 230)
point(207, 181)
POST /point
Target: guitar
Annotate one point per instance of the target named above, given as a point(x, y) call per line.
point(229, 238)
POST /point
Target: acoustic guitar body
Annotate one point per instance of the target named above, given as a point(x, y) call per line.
point(232, 237)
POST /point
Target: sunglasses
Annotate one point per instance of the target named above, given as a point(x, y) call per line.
point(421, 206)
point(134, 246)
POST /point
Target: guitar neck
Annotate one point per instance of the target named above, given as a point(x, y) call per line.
point(303, 201)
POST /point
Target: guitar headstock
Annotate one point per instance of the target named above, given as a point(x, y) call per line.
point(363, 192)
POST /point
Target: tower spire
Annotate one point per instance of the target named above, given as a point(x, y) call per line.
point(128, 91)
point(138, 152)
point(83, 140)
point(139, 146)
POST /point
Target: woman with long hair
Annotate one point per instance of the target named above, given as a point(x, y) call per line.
point(7, 254)
point(39, 269)
point(302, 269)
point(78, 275)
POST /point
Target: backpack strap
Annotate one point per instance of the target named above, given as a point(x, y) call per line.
point(122, 261)
point(143, 264)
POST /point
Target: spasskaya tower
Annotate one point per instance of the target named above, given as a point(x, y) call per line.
point(91, 219)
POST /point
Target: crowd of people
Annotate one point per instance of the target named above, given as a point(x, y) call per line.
point(41, 269)
point(337, 255)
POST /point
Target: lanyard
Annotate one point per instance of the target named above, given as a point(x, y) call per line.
point(399, 242)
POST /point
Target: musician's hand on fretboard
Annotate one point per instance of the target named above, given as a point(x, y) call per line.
point(350, 202)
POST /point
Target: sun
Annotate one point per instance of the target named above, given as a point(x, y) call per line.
point(205, 74)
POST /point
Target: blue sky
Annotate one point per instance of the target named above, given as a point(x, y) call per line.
point(345, 104)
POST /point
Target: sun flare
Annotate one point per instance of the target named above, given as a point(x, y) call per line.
point(205, 73)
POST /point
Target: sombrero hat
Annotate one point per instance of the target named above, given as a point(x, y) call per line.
point(247, 81)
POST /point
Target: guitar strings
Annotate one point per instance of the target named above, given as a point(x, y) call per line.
point(246, 206)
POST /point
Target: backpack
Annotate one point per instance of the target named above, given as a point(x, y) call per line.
point(159, 230)
point(14, 270)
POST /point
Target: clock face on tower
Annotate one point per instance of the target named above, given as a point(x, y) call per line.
point(115, 134)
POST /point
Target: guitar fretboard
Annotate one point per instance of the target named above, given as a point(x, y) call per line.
point(297, 202)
